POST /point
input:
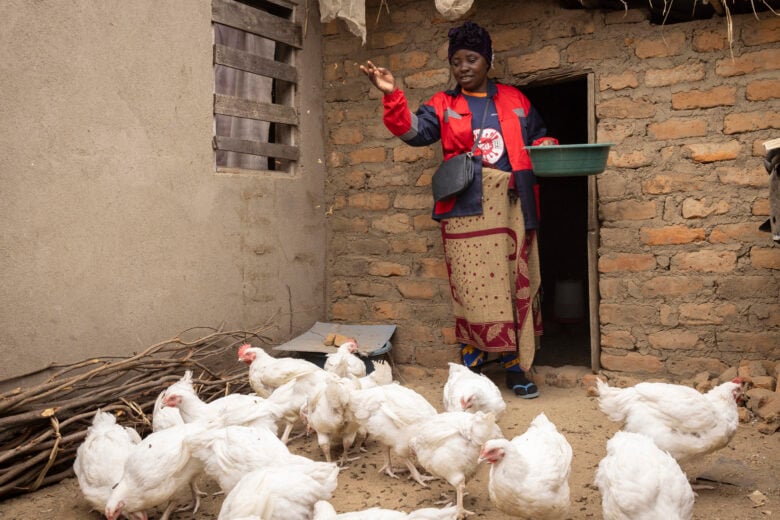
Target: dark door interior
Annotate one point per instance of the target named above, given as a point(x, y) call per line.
point(563, 232)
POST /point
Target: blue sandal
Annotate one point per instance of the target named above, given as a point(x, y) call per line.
point(527, 391)
point(520, 385)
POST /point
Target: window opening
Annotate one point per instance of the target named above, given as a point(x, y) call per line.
point(255, 117)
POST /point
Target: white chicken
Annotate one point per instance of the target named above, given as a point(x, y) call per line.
point(242, 409)
point(381, 375)
point(328, 413)
point(290, 398)
point(267, 373)
point(164, 416)
point(470, 392)
point(283, 492)
point(639, 481)
point(157, 471)
point(679, 419)
point(448, 445)
point(101, 458)
point(345, 361)
point(529, 476)
point(387, 414)
point(231, 452)
point(324, 511)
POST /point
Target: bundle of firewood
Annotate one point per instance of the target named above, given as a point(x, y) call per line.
point(42, 426)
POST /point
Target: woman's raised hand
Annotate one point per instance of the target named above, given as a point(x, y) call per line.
point(381, 77)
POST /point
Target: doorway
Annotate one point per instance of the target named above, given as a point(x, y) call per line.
point(567, 282)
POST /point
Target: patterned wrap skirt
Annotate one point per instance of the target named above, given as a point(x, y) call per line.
point(494, 275)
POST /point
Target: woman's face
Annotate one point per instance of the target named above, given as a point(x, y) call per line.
point(470, 70)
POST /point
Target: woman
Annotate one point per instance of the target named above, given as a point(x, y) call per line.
point(488, 230)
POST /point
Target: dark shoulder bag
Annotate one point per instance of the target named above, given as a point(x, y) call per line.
point(455, 174)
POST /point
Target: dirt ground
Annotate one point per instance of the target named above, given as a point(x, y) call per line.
point(743, 476)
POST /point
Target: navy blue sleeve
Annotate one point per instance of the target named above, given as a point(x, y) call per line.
point(425, 127)
point(534, 127)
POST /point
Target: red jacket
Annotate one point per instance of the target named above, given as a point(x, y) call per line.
point(446, 117)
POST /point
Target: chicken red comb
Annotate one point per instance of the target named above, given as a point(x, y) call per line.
point(242, 349)
point(738, 380)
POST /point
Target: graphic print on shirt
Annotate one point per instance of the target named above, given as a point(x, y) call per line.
point(491, 145)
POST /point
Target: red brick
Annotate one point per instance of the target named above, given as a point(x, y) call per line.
point(336, 159)
point(372, 289)
point(635, 159)
point(448, 336)
point(409, 245)
point(414, 60)
point(628, 210)
point(671, 235)
point(713, 152)
point(389, 311)
point(424, 223)
point(763, 90)
point(370, 201)
point(428, 78)
point(764, 343)
point(569, 23)
point(677, 128)
point(418, 290)
point(546, 58)
point(349, 225)
point(510, 39)
point(671, 183)
point(632, 363)
point(700, 208)
point(680, 74)
point(765, 258)
point(749, 63)
point(350, 311)
point(693, 99)
point(613, 262)
point(673, 339)
point(595, 50)
point(618, 339)
point(670, 44)
point(626, 108)
point(395, 223)
point(368, 155)
point(708, 41)
point(408, 154)
point(731, 233)
point(671, 286)
point(739, 287)
point(750, 121)
point(706, 313)
point(628, 315)
point(615, 131)
point(761, 32)
point(433, 268)
point(690, 366)
point(412, 201)
point(385, 39)
point(388, 269)
point(707, 261)
point(626, 79)
point(753, 176)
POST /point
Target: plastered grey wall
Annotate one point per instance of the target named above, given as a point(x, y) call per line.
point(116, 231)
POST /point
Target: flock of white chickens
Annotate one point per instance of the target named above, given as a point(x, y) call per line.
point(240, 441)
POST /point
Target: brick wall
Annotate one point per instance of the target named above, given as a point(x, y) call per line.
point(686, 281)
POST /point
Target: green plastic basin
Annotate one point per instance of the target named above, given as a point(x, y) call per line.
point(569, 160)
